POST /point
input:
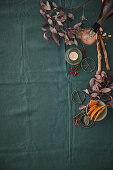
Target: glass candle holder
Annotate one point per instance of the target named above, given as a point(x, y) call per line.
point(73, 56)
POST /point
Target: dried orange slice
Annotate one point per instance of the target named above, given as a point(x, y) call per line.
point(92, 103)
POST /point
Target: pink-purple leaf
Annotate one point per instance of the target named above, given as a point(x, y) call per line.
point(111, 86)
point(82, 107)
point(45, 6)
point(42, 12)
point(45, 37)
point(71, 35)
point(66, 38)
point(95, 88)
point(50, 21)
point(103, 74)
point(48, 15)
point(70, 15)
point(86, 91)
point(53, 30)
point(78, 25)
point(105, 90)
point(54, 4)
point(75, 42)
point(94, 95)
point(99, 78)
point(61, 13)
point(59, 23)
point(63, 19)
point(56, 39)
point(98, 84)
point(70, 42)
point(83, 18)
point(97, 73)
point(61, 34)
point(91, 83)
point(44, 29)
point(42, 4)
point(48, 5)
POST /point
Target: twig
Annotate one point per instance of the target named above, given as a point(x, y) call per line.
point(80, 5)
point(99, 55)
point(105, 53)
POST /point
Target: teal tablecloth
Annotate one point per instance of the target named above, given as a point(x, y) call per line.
point(37, 131)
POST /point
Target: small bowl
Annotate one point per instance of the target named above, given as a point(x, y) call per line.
point(103, 114)
point(73, 62)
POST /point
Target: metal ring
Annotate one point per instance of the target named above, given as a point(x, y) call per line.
point(81, 99)
point(88, 65)
point(86, 126)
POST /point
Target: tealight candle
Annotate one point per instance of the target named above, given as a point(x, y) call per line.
point(73, 56)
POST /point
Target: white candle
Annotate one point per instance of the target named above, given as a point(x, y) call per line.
point(73, 56)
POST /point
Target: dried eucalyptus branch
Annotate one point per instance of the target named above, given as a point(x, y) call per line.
point(57, 23)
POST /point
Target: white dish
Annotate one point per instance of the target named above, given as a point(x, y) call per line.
point(103, 114)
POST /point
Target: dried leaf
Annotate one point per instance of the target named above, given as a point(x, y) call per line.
point(109, 79)
point(77, 33)
point(98, 84)
point(97, 73)
point(103, 74)
point(94, 94)
point(42, 12)
point(44, 6)
point(82, 107)
point(56, 39)
point(61, 34)
point(48, 5)
point(92, 82)
point(99, 78)
point(95, 88)
point(71, 35)
point(53, 30)
point(111, 86)
point(86, 120)
point(69, 42)
point(54, 4)
point(75, 42)
point(44, 29)
point(70, 15)
point(61, 13)
point(83, 18)
point(50, 21)
point(45, 37)
point(56, 17)
point(63, 19)
point(78, 25)
point(59, 23)
point(110, 104)
point(105, 90)
point(86, 91)
point(48, 16)
point(66, 38)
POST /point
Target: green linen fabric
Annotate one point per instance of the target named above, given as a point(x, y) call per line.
point(37, 130)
